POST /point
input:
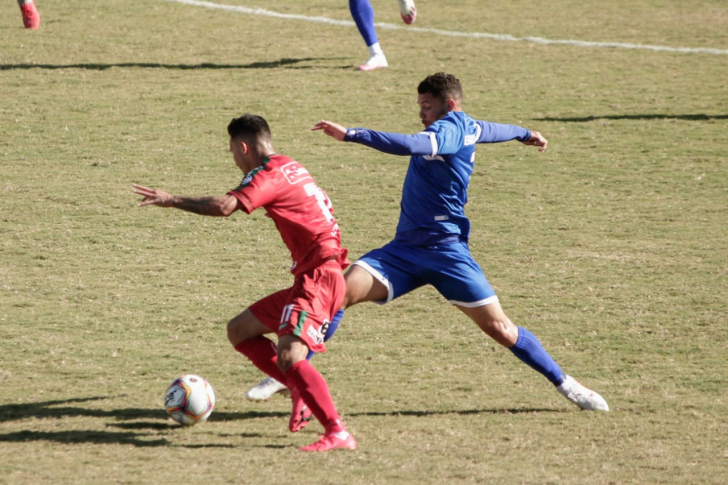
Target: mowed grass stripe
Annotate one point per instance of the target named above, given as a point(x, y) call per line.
point(452, 33)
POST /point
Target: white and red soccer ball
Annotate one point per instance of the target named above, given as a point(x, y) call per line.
point(189, 400)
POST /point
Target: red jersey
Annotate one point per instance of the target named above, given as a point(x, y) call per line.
point(302, 212)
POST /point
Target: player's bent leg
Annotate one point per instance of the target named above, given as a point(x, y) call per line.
point(269, 386)
point(245, 333)
point(245, 326)
point(361, 287)
point(292, 350)
point(311, 387)
point(493, 321)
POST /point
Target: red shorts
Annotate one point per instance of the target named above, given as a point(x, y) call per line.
point(305, 309)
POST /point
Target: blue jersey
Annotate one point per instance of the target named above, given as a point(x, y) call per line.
point(435, 188)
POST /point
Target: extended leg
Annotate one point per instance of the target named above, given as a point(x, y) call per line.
point(524, 345)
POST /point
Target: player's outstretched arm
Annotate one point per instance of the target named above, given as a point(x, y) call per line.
point(537, 140)
point(392, 143)
point(220, 206)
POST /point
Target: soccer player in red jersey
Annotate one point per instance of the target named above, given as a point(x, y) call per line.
point(299, 315)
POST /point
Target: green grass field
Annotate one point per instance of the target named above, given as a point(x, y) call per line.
point(612, 246)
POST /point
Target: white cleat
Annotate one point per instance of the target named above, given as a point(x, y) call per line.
point(265, 389)
point(377, 61)
point(408, 10)
point(581, 396)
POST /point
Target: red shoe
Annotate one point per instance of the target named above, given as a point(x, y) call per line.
point(332, 442)
point(300, 414)
point(31, 17)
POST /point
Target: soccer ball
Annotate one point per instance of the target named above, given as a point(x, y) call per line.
point(189, 400)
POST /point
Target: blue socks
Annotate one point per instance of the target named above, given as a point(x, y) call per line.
point(333, 325)
point(530, 351)
point(363, 14)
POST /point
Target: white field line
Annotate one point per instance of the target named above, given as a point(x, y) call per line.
point(450, 33)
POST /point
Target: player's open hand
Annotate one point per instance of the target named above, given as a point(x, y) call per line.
point(153, 196)
point(537, 140)
point(332, 129)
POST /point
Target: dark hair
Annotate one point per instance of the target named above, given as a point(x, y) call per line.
point(442, 86)
point(250, 127)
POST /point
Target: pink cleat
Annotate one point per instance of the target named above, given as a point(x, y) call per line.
point(31, 17)
point(300, 414)
point(331, 442)
point(377, 61)
point(408, 10)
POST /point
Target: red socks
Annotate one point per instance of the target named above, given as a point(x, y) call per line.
point(262, 352)
point(315, 393)
point(311, 385)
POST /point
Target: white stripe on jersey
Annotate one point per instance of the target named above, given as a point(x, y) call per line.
point(433, 141)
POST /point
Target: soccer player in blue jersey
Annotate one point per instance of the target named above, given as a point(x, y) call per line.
point(431, 242)
point(363, 14)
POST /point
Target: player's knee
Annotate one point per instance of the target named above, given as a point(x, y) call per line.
point(503, 331)
point(237, 329)
point(291, 349)
point(233, 332)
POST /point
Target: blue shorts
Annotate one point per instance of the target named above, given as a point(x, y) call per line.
point(450, 268)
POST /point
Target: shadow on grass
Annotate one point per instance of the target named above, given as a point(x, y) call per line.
point(71, 437)
point(462, 412)
point(61, 408)
point(584, 119)
point(157, 421)
point(98, 437)
point(287, 63)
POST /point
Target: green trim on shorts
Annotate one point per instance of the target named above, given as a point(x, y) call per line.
point(299, 326)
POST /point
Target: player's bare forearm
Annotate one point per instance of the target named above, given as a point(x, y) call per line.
point(206, 206)
point(216, 206)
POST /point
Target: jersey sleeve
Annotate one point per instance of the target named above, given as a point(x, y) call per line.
point(497, 133)
point(446, 137)
point(392, 143)
point(255, 192)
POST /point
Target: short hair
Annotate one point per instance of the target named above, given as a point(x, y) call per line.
point(442, 86)
point(251, 127)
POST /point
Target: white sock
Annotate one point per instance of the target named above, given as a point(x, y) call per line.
point(375, 50)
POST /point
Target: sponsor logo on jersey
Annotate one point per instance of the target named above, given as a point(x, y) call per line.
point(316, 335)
point(295, 173)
